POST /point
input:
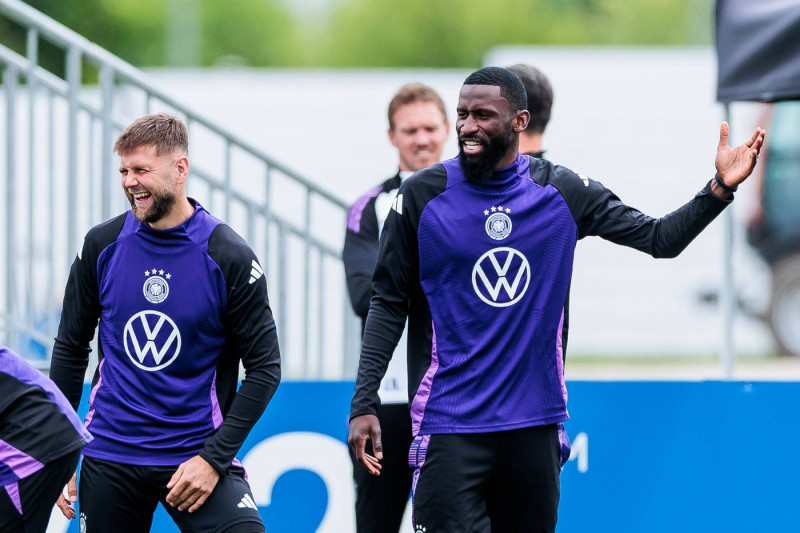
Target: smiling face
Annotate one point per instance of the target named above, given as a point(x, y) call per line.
point(153, 184)
point(419, 133)
point(488, 131)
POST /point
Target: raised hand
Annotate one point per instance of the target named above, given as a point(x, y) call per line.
point(734, 165)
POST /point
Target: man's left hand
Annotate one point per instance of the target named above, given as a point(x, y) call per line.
point(734, 165)
point(192, 484)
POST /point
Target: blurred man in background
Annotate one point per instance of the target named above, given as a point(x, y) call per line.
point(418, 128)
point(540, 102)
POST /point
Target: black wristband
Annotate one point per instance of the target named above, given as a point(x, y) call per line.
point(725, 186)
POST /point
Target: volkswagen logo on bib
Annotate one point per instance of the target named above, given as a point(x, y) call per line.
point(501, 276)
point(152, 340)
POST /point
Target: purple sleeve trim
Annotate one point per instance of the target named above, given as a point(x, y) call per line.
point(13, 492)
point(216, 412)
point(423, 394)
point(90, 414)
point(357, 209)
point(20, 463)
point(560, 357)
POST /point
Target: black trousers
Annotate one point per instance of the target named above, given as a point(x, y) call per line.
point(122, 498)
point(381, 500)
point(515, 474)
point(25, 506)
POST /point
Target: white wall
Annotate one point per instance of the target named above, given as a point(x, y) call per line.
point(643, 121)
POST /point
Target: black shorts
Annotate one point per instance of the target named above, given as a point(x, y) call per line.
point(513, 474)
point(381, 500)
point(25, 506)
point(122, 498)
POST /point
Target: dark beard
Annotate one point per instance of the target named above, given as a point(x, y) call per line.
point(478, 168)
point(162, 204)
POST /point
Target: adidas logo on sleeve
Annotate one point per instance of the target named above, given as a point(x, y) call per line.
point(255, 272)
point(247, 502)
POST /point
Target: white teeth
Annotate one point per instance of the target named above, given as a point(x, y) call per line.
point(140, 195)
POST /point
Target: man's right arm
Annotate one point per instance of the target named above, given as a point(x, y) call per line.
point(80, 313)
point(395, 270)
point(383, 328)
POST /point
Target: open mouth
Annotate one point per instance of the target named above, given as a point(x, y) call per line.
point(425, 157)
point(141, 197)
point(471, 146)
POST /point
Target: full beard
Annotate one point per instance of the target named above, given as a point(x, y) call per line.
point(478, 168)
point(161, 206)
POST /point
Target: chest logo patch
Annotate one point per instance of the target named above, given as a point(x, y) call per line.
point(152, 340)
point(501, 276)
point(498, 225)
point(156, 288)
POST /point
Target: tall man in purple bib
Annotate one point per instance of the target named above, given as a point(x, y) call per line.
point(178, 299)
point(479, 257)
point(40, 442)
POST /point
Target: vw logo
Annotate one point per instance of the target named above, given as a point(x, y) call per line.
point(152, 340)
point(501, 276)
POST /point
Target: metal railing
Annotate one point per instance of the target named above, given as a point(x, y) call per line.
point(58, 179)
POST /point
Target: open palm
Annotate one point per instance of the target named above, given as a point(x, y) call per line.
point(734, 165)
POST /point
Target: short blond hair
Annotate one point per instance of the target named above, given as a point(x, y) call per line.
point(414, 92)
point(166, 132)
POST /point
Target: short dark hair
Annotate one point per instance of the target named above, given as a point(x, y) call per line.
point(162, 130)
point(414, 92)
point(511, 87)
point(540, 95)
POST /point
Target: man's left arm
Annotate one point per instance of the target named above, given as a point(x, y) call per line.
point(598, 211)
point(252, 337)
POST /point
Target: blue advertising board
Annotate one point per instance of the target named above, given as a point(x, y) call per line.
point(647, 457)
point(682, 456)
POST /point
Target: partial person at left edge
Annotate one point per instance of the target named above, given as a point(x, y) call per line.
point(40, 443)
point(178, 299)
